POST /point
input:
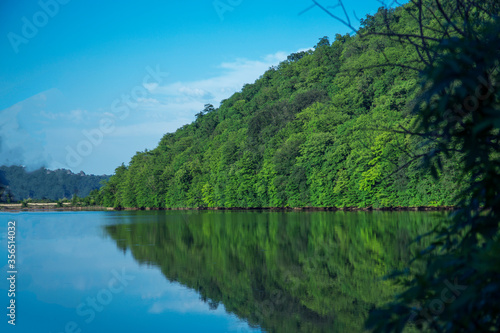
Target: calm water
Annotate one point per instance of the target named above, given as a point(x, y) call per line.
point(206, 271)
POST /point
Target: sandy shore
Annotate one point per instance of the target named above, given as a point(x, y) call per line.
point(50, 206)
point(67, 207)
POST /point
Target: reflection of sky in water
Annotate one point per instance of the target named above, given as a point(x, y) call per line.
point(64, 258)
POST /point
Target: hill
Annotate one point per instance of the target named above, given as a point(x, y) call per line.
point(325, 128)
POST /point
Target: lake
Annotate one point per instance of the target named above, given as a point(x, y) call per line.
point(204, 271)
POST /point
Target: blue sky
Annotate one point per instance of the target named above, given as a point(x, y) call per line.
point(84, 85)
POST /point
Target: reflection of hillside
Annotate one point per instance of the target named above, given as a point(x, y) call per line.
point(286, 272)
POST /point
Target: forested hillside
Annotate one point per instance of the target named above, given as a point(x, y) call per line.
point(17, 184)
point(325, 128)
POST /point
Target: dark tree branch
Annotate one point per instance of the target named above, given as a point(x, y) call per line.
point(448, 20)
point(348, 23)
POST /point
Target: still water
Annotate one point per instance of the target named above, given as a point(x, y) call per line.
point(204, 271)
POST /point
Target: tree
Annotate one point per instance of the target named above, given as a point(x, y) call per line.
point(325, 41)
point(2, 190)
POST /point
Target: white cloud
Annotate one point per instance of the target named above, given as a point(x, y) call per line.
point(212, 90)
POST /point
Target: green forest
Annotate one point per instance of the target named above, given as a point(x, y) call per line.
point(17, 184)
point(325, 128)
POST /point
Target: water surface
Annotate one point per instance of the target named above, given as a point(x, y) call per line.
point(210, 271)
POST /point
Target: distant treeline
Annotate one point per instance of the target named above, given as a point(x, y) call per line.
point(17, 184)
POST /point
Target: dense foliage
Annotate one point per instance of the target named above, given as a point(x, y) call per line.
point(317, 130)
point(458, 113)
point(18, 184)
point(282, 271)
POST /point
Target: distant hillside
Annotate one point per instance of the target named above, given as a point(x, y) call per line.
point(17, 184)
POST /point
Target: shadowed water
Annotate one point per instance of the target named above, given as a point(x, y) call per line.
point(210, 271)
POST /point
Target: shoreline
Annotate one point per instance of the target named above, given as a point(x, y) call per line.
point(48, 207)
point(52, 207)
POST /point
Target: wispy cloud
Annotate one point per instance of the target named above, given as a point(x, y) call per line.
point(214, 89)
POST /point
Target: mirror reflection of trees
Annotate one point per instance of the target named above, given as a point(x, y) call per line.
point(282, 271)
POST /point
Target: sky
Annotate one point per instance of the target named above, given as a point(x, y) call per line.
point(84, 85)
